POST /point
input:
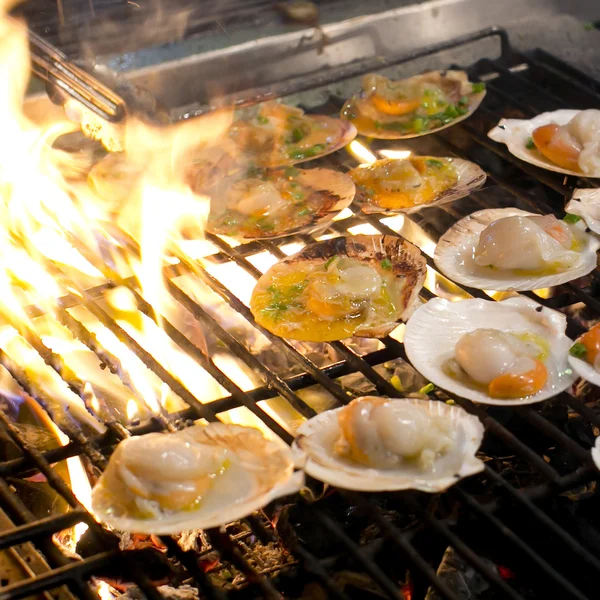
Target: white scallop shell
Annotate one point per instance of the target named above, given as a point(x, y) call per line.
point(515, 133)
point(454, 255)
point(470, 178)
point(317, 437)
point(596, 453)
point(235, 494)
point(586, 204)
point(584, 370)
point(435, 328)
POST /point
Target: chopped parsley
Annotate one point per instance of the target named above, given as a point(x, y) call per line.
point(386, 264)
point(578, 350)
point(530, 144)
point(478, 87)
point(569, 218)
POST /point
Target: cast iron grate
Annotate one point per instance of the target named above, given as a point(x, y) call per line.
point(527, 525)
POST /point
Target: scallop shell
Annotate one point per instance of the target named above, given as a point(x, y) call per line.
point(407, 263)
point(317, 437)
point(515, 133)
point(470, 178)
point(454, 256)
point(596, 453)
point(584, 370)
point(242, 489)
point(435, 328)
point(337, 191)
point(586, 204)
point(474, 101)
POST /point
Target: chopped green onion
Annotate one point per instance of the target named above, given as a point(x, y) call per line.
point(530, 144)
point(451, 111)
point(588, 26)
point(308, 153)
point(262, 120)
point(427, 388)
point(418, 124)
point(462, 110)
point(397, 383)
point(386, 263)
point(304, 212)
point(273, 289)
point(393, 126)
point(434, 163)
point(291, 172)
point(478, 87)
point(254, 172)
point(464, 101)
point(329, 261)
point(578, 350)
point(569, 218)
point(298, 287)
point(297, 134)
point(264, 224)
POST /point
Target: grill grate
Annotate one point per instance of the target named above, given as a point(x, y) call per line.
point(490, 518)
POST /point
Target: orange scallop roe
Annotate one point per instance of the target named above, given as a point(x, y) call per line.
point(519, 385)
point(346, 421)
point(591, 341)
point(394, 107)
point(557, 146)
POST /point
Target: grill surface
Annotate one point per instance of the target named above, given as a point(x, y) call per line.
point(527, 529)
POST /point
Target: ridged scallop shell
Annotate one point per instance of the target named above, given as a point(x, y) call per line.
point(470, 178)
point(515, 133)
point(260, 470)
point(337, 192)
point(586, 204)
point(407, 263)
point(317, 437)
point(435, 328)
point(475, 100)
point(454, 252)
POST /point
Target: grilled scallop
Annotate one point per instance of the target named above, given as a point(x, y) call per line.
point(505, 353)
point(511, 249)
point(277, 135)
point(409, 184)
point(565, 141)
point(586, 205)
point(384, 444)
point(277, 202)
point(200, 477)
point(349, 286)
point(412, 107)
point(584, 355)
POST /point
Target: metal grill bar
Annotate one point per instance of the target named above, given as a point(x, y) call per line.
point(506, 431)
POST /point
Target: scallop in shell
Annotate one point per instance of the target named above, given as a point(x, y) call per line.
point(412, 107)
point(278, 202)
point(381, 444)
point(347, 286)
point(410, 184)
point(115, 178)
point(460, 251)
point(586, 204)
point(275, 135)
point(584, 355)
point(518, 134)
point(437, 327)
point(200, 477)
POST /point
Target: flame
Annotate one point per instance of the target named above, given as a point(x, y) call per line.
point(361, 152)
point(397, 154)
point(104, 590)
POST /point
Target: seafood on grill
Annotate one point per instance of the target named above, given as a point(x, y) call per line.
point(412, 107)
point(115, 178)
point(274, 135)
point(584, 355)
point(565, 141)
point(277, 202)
point(409, 184)
point(349, 286)
point(384, 444)
point(512, 249)
point(585, 203)
point(505, 353)
point(199, 477)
